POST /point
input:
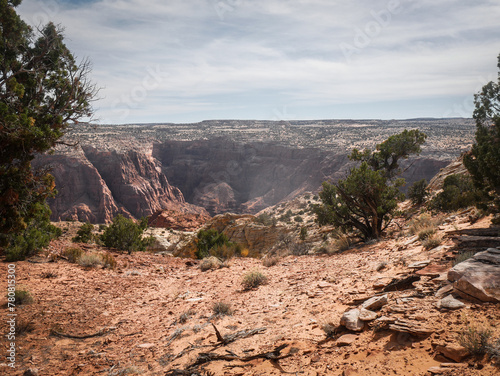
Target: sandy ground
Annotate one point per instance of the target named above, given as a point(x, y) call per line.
point(154, 313)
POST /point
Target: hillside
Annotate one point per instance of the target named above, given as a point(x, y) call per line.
point(154, 314)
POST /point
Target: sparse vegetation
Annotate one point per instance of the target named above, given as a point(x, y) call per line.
point(84, 233)
point(208, 240)
point(253, 279)
point(475, 340)
point(458, 192)
point(417, 193)
point(126, 235)
point(22, 296)
point(342, 243)
point(425, 224)
point(493, 351)
point(329, 329)
point(48, 274)
point(432, 241)
point(210, 263)
point(222, 309)
point(90, 260)
point(266, 219)
point(303, 233)
point(269, 261)
point(24, 326)
point(73, 254)
point(462, 256)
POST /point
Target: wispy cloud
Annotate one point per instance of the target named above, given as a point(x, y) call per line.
point(195, 59)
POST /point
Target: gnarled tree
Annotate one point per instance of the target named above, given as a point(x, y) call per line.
point(43, 90)
point(366, 200)
point(483, 160)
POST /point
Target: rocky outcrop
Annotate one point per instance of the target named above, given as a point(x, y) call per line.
point(241, 229)
point(455, 167)
point(178, 220)
point(478, 277)
point(95, 185)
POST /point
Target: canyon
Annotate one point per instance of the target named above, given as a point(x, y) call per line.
point(214, 167)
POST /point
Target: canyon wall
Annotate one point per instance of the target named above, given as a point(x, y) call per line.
point(214, 176)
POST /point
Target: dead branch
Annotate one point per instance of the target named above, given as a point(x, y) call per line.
point(224, 340)
point(84, 336)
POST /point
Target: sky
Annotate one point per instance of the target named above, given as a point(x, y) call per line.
point(183, 61)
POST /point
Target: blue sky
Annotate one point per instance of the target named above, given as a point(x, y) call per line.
point(191, 60)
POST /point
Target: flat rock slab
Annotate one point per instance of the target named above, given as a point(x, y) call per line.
point(454, 352)
point(419, 264)
point(478, 276)
point(346, 339)
point(411, 327)
point(433, 270)
point(375, 302)
point(366, 315)
point(450, 302)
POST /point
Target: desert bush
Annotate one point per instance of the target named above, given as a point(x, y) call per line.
point(33, 238)
point(432, 241)
point(342, 243)
point(72, 254)
point(458, 192)
point(462, 256)
point(84, 233)
point(475, 340)
point(253, 279)
point(210, 263)
point(417, 193)
point(426, 233)
point(126, 235)
point(24, 326)
point(226, 251)
point(108, 260)
point(90, 260)
point(303, 233)
point(222, 309)
point(298, 219)
point(329, 329)
point(22, 296)
point(208, 239)
point(425, 224)
point(266, 219)
point(493, 351)
point(269, 261)
point(298, 249)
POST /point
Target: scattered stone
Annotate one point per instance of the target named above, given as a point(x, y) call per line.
point(454, 352)
point(381, 283)
point(450, 302)
point(433, 270)
point(478, 277)
point(146, 345)
point(346, 340)
point(411, 327)
point(443, 291)
point(399, 284)
point(410, 241)
point(375, 302)
point(419, 264)
point(351, 320)
point(366, 315)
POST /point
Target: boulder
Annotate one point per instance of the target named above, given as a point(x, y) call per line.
point(454, 352)
point(351, 320)
point(450, 302)
point(478, 277)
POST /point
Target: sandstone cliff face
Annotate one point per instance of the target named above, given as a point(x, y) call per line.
point(96, 185)
point(221, 175)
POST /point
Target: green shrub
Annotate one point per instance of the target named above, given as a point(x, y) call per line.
point(493, 350)
point(303, 233)
point(475, 340)
point(84, 233)
point(253, 279)
point(266, 219)
point(126, 235)
point(37, 235)
point(73, 254)
point(208, 239)
point(458, 192)
point(426, 233)
point(298, 219)
point(418, 192)
point(22, 296)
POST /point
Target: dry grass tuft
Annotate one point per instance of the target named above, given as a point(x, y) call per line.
point(253, 279)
